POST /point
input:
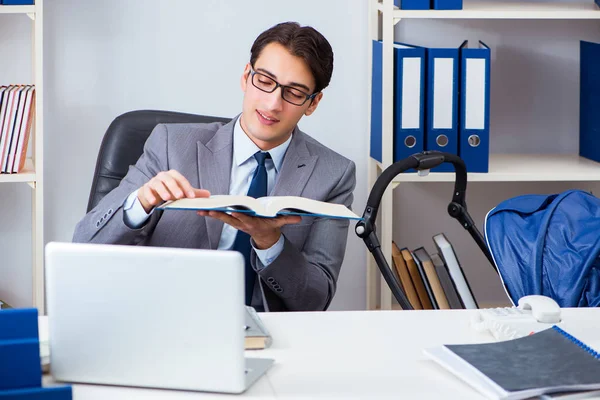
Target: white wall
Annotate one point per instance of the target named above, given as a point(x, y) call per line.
point(107, 57)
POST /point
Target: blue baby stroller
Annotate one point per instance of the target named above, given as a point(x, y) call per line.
point(539, 244)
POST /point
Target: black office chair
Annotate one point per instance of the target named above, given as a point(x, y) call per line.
point(123, 144)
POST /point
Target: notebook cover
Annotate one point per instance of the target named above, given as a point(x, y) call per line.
point(545, 362)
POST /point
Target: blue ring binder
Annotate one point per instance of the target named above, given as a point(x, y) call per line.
point(578, 342)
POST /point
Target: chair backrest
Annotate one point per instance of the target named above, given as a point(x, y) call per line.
point(123, 144)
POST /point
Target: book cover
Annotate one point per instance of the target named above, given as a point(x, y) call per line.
point(425, 279)
point(432, 277)
point(446, 251)
point(404, 275)
point(267, 207)
point(416, 279)
point(446, 282)
point(549, 361)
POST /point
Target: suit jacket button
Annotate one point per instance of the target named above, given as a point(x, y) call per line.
point(110, 211)
point(270, 279)
point(97, 224)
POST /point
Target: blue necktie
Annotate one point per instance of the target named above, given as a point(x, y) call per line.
point(258, 188)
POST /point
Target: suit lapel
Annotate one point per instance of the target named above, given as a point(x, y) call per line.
point(297, 167)
point(214, 172)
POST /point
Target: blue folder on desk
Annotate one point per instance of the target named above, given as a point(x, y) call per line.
point(442, 103)
point(409, 100)
point(474, 132)
point(589, 101)
point(20, 365)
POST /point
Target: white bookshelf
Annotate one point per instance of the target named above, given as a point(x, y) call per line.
point(503, 167)
point(522, 168)
point(32, 174)
point(474, 9)
point(18, 10)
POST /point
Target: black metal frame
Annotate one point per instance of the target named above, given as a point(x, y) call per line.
point(366, 230)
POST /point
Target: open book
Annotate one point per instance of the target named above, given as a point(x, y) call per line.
point(269, 207)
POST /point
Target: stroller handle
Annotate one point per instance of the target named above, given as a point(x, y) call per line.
point(365, 229)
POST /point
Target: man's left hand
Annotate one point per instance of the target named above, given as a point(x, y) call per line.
point(264, 231)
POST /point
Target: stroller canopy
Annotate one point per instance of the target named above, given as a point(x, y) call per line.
point(548, 245)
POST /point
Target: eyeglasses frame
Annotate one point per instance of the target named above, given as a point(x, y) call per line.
point(283, 87)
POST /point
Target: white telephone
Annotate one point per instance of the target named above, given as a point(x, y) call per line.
point(533, 314)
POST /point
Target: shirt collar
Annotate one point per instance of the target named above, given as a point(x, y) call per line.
point(244, 148)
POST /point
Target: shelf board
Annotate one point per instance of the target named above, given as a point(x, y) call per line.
point(474, 9)
point(522, 168)
point(17, 9)
point(26, 175)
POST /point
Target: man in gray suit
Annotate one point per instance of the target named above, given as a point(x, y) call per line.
point(295, 262)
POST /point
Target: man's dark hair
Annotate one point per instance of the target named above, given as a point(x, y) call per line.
point(301, 41)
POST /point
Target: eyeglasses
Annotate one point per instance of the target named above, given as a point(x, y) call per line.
point(289, 93)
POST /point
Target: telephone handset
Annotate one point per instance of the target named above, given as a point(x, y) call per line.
point(543, 309)
point(533, 314)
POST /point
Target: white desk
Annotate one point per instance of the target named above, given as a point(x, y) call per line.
point(359, 354)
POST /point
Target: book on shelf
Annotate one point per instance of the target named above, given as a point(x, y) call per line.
point(268, 207)
point(17, 113)
point(550, 361)
point(432, 278)
point(413, 269)
point(257, 336)
point(425, 280)
point(404, 277)
point(446, 282)
point(447, 253)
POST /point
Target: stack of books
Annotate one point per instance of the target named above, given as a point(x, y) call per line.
point(433, 281)
point(17, 106)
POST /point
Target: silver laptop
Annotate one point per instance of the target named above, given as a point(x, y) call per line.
point(148, 317)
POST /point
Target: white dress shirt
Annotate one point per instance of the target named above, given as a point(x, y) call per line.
point(242, 169)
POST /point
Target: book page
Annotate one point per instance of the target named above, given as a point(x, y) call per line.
point(217, 203)
point(294, 205)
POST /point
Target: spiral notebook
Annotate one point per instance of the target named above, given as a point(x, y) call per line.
point(549, 361)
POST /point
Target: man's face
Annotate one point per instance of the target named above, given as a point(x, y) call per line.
point(266, 117)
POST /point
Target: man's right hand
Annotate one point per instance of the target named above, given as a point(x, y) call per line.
point(167, 185)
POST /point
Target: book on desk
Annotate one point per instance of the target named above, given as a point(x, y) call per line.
point(257, 335)
point(550, 361)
